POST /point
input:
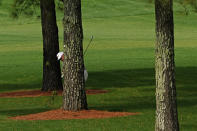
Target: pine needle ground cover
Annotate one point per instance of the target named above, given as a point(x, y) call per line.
point(120, 60)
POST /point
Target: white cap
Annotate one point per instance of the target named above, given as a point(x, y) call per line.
point(59, 55)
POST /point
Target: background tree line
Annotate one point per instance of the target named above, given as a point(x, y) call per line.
point(185, 4)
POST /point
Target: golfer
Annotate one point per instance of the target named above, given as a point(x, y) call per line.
point(60, 56)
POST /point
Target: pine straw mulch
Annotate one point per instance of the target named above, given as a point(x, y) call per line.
point(37, 93)
point(60, 114)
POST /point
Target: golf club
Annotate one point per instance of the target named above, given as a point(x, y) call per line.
point(88, 45)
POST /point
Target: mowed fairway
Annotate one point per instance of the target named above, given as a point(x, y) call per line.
point(120, 60)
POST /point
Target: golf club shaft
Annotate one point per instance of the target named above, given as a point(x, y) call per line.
point(88, 45)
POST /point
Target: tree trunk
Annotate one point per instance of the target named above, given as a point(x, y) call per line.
point(74, 96)
point(166, 106)
point(51, 67)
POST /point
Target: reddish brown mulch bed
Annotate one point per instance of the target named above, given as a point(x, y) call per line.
point(37, 93)
point(60, 114)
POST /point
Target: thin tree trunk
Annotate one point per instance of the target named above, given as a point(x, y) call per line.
point(166, 106)
point(74, 96)
point(51, 67)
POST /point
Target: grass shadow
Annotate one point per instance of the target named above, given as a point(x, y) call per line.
point(18, 112)
point(134, 78)
point(139, 77)
point(121, 78)
point(13, 87)
point(143, 80)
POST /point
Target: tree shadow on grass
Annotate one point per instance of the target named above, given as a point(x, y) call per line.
point(14, 87)
point(127, 104)
point(138, 77)
point(186, 84)
point(135, 78)
point(185, 76)
point(121, 78)
point(18, 112)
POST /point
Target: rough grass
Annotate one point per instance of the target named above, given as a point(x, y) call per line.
point(120, 59)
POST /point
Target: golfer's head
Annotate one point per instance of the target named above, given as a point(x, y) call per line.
point(60, 56)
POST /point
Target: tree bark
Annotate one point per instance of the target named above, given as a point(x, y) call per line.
point(51, 67)
point(166, 106)
point(74, 96)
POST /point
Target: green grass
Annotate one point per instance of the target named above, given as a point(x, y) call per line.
point(120, 59)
